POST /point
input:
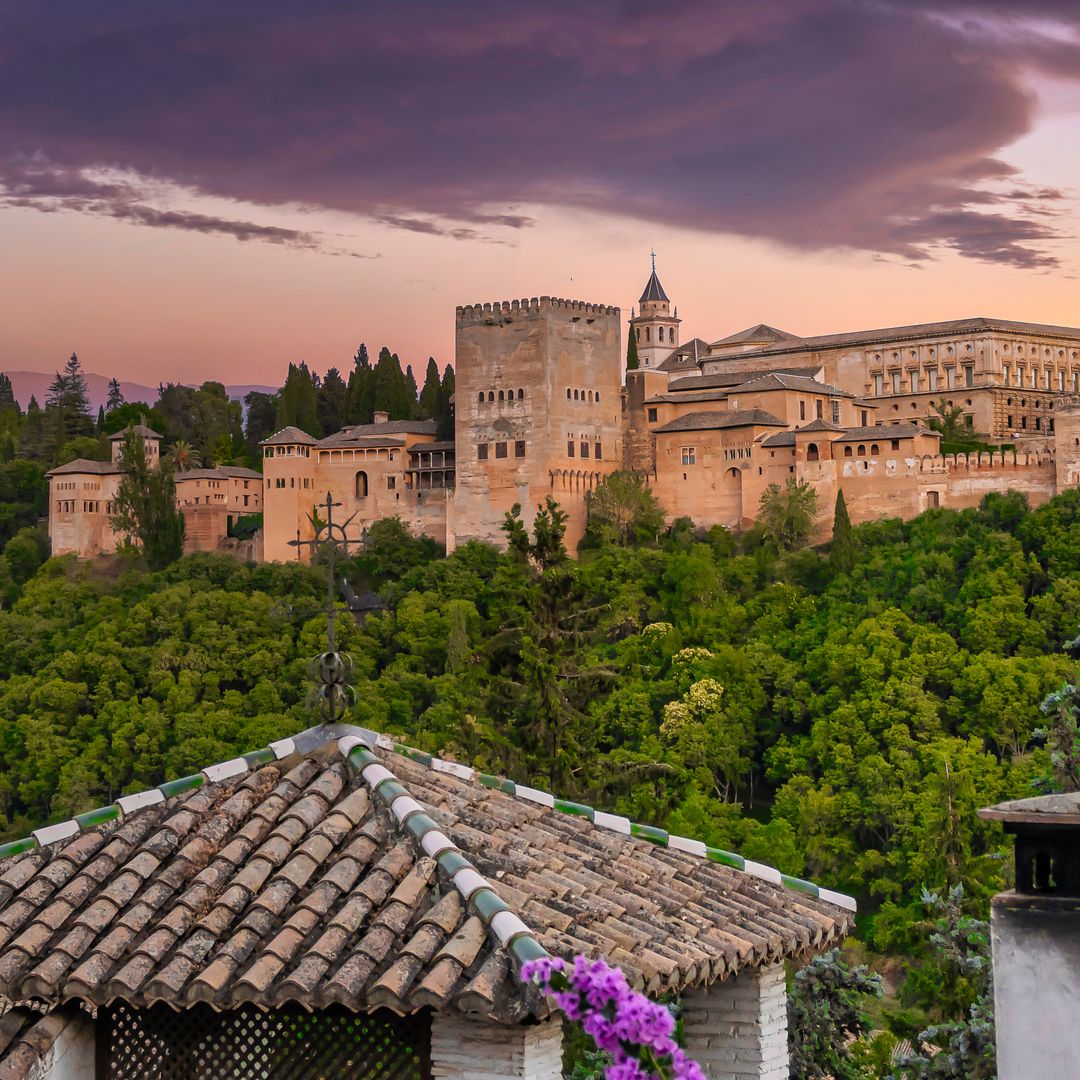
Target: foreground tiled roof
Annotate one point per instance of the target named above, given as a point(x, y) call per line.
point(776, 381)
point(1060, 809)
point(712, 421)
point(27, 1036)
point(762, 334)
point(321, 870)
point(687, 357)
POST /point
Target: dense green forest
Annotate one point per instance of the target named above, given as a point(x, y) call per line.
point(841, 724)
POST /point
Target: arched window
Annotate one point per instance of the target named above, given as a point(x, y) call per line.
point(874, 449)
point(671, 335)
point(646, 334)
point(481, 397)
point(568, 393)
point(812, 452)
point(361, 485)
point(590, 395)
point(491, 395)
point(597, 395)
point(637, 332)
point(575, 395)
point(521, 394)
point(847, 451)
point(862, 450)
point(502, 396)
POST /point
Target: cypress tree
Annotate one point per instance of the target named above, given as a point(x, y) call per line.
point(842, 549)
point(444, 417)
point(361, 399)
point(297, 404)
point(429, 396)
point(391, 387)
point(333, 399)
point(632, 362)
point(414, 393)
point(100, 419)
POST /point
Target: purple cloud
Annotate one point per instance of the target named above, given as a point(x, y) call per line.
point(818, 123)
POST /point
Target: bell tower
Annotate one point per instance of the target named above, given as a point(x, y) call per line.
point(656, 327)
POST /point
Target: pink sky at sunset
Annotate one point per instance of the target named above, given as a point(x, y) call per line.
point(171, 218)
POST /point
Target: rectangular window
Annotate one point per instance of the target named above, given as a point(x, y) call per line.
point(913, 378)
point(862, 417)
point(584, 449)
point(481, 451)
point(1009, 422)
point(598, 451)
point(836, 412)
point(1034, 378)
point(519, 448)
point(1005, 374)
point(652, 416)
point(931, 378)
point(969, 375)
point(570, 448)
point(896, 444)
point(896, 382)
point(500, 449)
point(1061, 380)
point(689, 455)
point(1046, 379)
point(280, 482)
point(817, 408)
point(877, 385)
point(391, 483)
point(802, 410)
point(1076, 382)
point(950, 378)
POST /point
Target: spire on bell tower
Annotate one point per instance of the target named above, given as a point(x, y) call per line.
point(657, 329)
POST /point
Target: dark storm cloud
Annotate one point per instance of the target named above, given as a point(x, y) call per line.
point(817, 123)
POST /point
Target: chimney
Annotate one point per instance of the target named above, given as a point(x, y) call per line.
point(381, 417)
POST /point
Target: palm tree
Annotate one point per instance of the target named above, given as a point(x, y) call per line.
point(184, 456)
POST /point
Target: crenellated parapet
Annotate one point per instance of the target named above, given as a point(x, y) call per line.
point(508, 310)
point(1004, 459)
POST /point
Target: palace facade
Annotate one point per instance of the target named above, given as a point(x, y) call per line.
point(544, 408)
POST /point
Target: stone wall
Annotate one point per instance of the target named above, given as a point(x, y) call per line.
point(463, 1048)
point(737, 1029)
point(205, 527)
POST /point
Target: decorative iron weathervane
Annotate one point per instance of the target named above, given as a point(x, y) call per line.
point(331, 671)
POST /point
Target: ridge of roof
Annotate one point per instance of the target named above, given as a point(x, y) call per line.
point(286, 435)
point(85, 465)
point(350, 740)
point(781, 381)
point(886, 431)
point(753, 334)
point(138, 429)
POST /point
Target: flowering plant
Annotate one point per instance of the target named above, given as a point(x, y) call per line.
point(637, 1033)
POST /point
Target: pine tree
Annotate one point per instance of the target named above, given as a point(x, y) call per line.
point(7, 396)
point(115, 398)
point(333, 400)
point(145, 505)
point(429, 396)
point(32, 434)
point(100, 427)
point(632, 362)
point(444, 418)
point(842, 550)
point(68, 405)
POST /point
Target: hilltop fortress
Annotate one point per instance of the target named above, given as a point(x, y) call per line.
point(543, 408)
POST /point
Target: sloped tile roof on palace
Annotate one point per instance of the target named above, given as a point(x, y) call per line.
point(340, 867)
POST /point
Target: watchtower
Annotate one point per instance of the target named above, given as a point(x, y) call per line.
point(538, 410)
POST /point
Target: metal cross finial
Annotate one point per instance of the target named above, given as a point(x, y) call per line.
point(653, 254)
point(331, 669)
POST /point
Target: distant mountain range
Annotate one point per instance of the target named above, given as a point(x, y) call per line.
point(36, 383)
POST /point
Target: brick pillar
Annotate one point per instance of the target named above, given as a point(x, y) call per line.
point(463, 1048)
point(737, 1029)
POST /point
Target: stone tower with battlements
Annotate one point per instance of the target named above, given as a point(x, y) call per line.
point(1067, 443)
point(537, 411)
point(655, 325)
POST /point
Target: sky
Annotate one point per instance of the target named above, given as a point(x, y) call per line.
point(197, 190)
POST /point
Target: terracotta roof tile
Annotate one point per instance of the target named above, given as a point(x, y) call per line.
point(301, 884)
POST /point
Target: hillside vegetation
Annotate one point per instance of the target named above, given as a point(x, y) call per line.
point(840, 724)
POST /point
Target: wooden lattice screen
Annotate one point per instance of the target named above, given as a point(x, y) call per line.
point(247, 1044)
